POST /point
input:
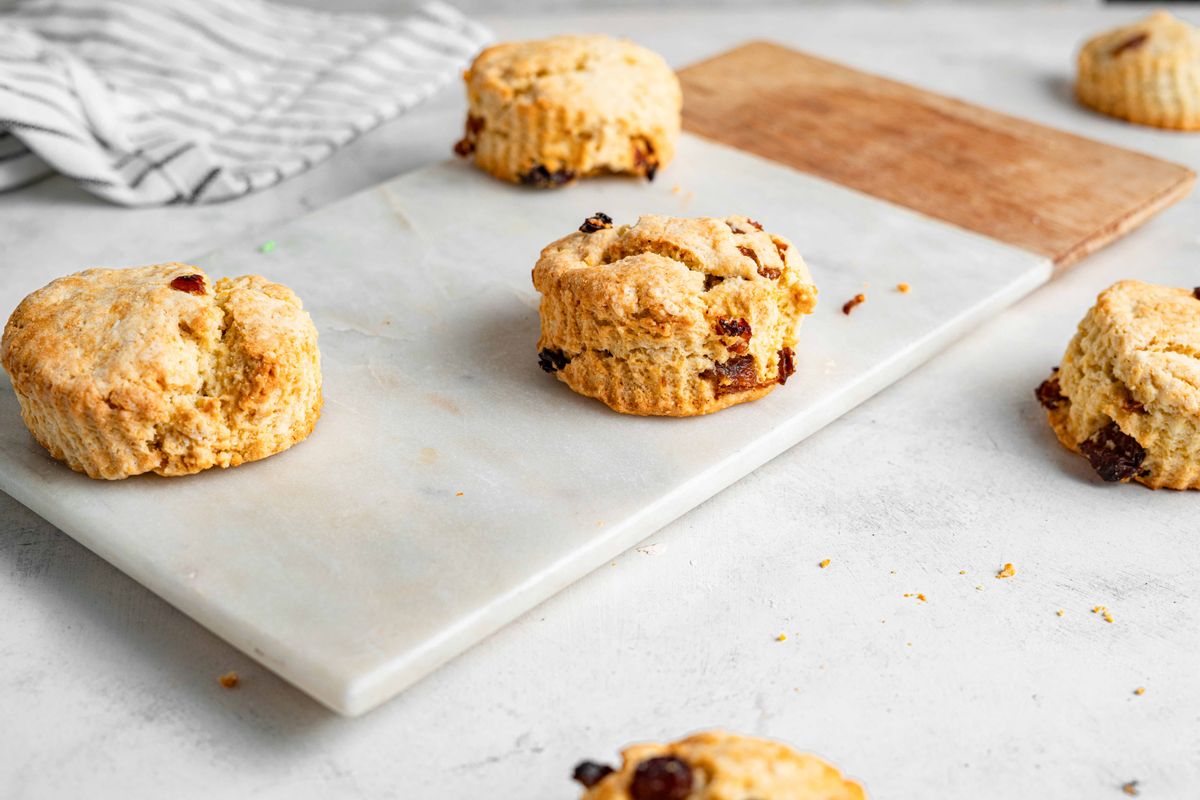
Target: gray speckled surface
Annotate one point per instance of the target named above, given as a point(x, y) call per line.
point(109, 692)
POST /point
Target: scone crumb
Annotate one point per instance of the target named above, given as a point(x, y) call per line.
point(903, 288)
point(962, 572)
point(1139, 691)
point(1103, 612)
point(458, 494)
point(1006, 572)
point(781, 637)
point(229, 680)
point(823, 563)
point(852, 303)
point(1130, 788)
point(1060, 612)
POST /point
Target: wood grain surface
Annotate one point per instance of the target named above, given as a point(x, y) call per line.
point(1043, 190)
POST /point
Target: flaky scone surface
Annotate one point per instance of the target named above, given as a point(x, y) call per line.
point(725, 766)
point(155, 369)
point(547, 112)
point(672, 316)
point(1135, 363)
point(1147, 72)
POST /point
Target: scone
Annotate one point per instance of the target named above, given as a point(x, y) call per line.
point(156, 369)
point(544, 113)
point(1147, 72)
point(1127, 396)
point(671, 316)
point(715, 765)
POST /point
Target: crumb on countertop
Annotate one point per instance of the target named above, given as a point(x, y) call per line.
point(852, 302)
point(458, 494)
point(823, 563)
point(1130, 788)
point(229, 680)
point(1006, 572)
point(903, 288)
point(1060, 612)
point(1103, 612)
point(1139, 691)
point(781, 637)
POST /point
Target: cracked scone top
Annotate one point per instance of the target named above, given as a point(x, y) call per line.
point(1127, 395)
point(671, 316)
point(155, 369)
point(715, 765)
point(547, 112)
point(1147, 72)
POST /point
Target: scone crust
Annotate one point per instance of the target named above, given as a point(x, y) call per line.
point(672, 316)
point(1135, 361)
point(1147, 72)
point(118, 373)
point(726, 766)
point(547, 112)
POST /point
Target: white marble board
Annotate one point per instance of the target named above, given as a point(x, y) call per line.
point(351, 564)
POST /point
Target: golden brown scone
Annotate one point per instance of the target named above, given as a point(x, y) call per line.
point(1147, 72)
point(671, 316)
point(544, 113)
point(1127, 396)
point(715, 765)
point(154, 369)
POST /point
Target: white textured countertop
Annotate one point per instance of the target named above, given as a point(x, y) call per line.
point(980, 692)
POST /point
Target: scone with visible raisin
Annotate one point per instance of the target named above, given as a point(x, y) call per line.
point(155, 369)
point(546, 112)
point(1147, 72)
point(1127, 396)
point(715, 765)
point(671, 316)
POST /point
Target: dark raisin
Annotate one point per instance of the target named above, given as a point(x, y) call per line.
point(644, 158)
point(754, 224)
point(748, 252)
point(712, 280)
point(544, 179)
point(552, 360)
point(727, 326)
point(1133, 406)
point(852, 303)
point(735, 375)
point(1132, 43)
point(589, 773)
point(597, 222)
point(1049, 393)
point(192, 284)
point(474, 125)
point(1196, 293)
point(781, 248)
point(787, 364)
point(464, 147)
point(767, 272)
point(663, 778)
point(1114, 454)
point(749, 222)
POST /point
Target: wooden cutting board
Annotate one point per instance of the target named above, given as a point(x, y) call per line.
point(1049, 192)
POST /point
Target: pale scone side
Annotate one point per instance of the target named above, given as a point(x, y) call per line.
point(547, 112)
point(725, 766)
point(670, 316)
point(1147, 72)
point(1135, 362)
point(118, 373)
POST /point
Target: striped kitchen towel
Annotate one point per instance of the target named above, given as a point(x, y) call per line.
point(146, 102)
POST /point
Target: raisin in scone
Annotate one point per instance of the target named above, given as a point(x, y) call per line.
point(671, 316)
point(156, 369)
point(546, 112)
point(1127, 395)
point(715, 765)
point(1147, 72)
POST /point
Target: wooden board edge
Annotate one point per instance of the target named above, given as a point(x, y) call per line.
point(1118, 228)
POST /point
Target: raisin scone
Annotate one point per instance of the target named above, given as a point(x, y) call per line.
point(1147, 72)
point(715, 765)
point(671, 316)
point(156, 369)
point(1127, 395)
point(546, 112)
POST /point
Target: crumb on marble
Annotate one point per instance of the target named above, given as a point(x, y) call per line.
point(1130, 788)
point(1060, 612)
point(1006, 572)
point(781, 637)
point(853, 302)
point(823, 563)
point(458, 494)
point(903, 288)
point(1139, 691)
point(229, 680)
point(1103, 612)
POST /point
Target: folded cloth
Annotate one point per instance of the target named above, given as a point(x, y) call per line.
point(147, 102)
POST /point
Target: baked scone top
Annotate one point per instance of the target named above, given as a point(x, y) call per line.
point(715, 765)
point(1160, 35)
point(666, 277)
point(595, 76)
point(1153, 333)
